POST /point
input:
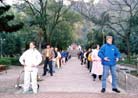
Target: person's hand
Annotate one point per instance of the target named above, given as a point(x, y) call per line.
point(106, 59)
point(117, 59)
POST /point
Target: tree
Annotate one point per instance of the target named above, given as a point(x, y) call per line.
point(122, 13)
point(47, 19)
point(96, 14)
point(47, 14)
point(64, 33)
point(5, 20)
point(11, 44)
point(95, 37)
point(117, 16)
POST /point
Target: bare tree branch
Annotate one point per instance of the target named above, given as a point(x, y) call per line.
point(116, 30)
point(32, 7)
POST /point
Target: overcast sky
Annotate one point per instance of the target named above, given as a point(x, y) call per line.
point(65, 1)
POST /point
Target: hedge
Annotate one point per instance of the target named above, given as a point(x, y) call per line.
point(9, 61)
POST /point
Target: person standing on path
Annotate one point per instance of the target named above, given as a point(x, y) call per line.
point(30, 59)
point(89, 62)
point(48, 55)
point(54, 59)
point(109, 55)
point(97, 68)
point(58, 58)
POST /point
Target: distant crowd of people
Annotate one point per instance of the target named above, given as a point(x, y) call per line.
point(101, 62)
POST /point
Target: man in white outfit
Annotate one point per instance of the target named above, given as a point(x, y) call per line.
point(30, 59)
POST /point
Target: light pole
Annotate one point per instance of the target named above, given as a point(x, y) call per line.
point(1, 48)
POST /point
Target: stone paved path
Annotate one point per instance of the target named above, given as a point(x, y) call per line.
point(69, 95)
point(73, 77)
point(71, 81)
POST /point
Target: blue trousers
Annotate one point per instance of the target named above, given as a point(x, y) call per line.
point(106, 70)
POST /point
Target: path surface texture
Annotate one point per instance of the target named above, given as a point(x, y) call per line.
point(71, 81)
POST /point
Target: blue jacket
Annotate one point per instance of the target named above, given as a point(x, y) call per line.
point(111, 52)
point(63, 54)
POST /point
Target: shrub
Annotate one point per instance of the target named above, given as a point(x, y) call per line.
point(4, 61)
point(9, 61)
point(14, 61)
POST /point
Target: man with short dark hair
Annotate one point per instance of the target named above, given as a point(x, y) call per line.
point(30, 59)
point(48, 56)
point(109, 55)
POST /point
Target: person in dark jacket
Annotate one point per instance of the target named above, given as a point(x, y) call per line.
point(109, 55)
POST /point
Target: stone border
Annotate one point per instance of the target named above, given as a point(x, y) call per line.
point(127, 81)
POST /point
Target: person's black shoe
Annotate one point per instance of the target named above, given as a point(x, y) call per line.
point(116, 90)
point(103, 90)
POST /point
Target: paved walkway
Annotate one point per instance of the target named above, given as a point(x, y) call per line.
point(69, 95)
point(71, 81)
point(72, 77)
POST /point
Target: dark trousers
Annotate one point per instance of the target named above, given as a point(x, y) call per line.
point(90, 67)
point(88, 64)
point(48, 63)
point(81, 58)
point(94, 76)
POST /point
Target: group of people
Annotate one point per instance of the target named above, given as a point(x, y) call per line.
point(102, 61)
point(32, 58)
point(53, 58)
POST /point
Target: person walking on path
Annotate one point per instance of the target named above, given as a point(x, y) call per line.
point(48, 55)
point(58, 58)
point(82, 57)
point(97, 68)
point(109, 54)
point(63, 57)
point(89, 62)
point(54, 59)
point(30, 59)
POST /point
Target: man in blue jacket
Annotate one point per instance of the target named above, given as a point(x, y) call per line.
point(109, 55)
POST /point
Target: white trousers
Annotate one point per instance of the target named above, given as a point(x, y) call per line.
point(63, 60)
point(30, 78)
point(58, 63)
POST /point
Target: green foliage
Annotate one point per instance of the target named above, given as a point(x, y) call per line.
point(121, 45)
point(134, 43)
point(4, 61)
point(134, 20)
point(11, 44)
point(94, 37)
point(3, 9)
point(62, 36)
point(9, 61)
point(5, 19)
point(63, 33)
point(72, 17)
point(53, 18)
point(14, 60)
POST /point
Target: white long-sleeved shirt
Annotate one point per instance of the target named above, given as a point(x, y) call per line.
point(31, 58)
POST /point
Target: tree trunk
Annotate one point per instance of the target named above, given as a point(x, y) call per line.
point(128, 49)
